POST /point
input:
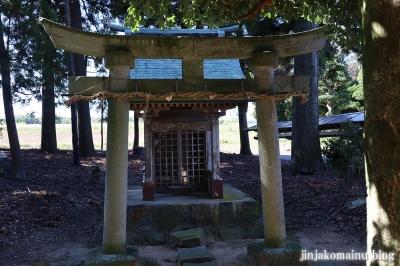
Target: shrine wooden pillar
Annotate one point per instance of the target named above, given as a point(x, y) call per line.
point(115, 200)
point(149, 180)
point(217, 188)
point(268, 146)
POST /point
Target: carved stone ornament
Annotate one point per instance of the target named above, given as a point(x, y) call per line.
point(163, 126)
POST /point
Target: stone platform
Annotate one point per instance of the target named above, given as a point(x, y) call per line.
point(236, 216)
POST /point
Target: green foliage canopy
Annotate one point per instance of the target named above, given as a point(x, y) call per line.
point(343, 16)
point(27, 45)
point(337, 92)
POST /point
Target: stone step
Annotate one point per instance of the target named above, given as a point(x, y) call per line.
point(193, 255)
point(188, 238)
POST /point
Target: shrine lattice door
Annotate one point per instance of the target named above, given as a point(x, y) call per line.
point(180, 159)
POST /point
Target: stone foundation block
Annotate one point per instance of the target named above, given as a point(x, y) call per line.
point(230, 233)
point(188, 238)
point(288, 255)
point(193, 255)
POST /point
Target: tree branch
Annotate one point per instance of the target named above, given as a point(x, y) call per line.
point(256, 9)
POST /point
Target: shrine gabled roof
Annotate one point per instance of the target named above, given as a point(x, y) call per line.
point(172, 69)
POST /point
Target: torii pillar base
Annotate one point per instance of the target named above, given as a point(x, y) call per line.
point(288, 255)
point(97, 257)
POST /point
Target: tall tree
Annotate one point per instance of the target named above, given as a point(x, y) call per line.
point(306, 148)
point(381, 78)
point(16, 157)
point(49, 139)
point(37, 67)
point(74, 115)
point(86, 146)
point(244, 135)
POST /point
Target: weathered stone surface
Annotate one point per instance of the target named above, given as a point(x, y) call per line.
point(147, 235)
point(270, 173)
point(116, 177)
point(188, 238)
point(231, 233)
point(205, 47)
point(167, 215)
point(248, 212)
point(193, 255)
point(265, 58)
point(97, 257)
point(225, 214)
point(288, 255)
point(255, 230)
point(151, 223)
point(202, 214)
point(352, 204)
point(139, 216)
point(211, 233)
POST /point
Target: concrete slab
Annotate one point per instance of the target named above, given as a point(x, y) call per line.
point(230, 194)
point(193, 255)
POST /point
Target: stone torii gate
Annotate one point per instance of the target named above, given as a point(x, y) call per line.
point(120, 53)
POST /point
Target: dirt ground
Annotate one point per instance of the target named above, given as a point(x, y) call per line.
point(57, 210)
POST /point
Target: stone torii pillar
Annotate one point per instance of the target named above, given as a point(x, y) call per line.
point(115, 200)
point(268, 145)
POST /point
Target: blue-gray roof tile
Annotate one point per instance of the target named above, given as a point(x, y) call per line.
point(172, 69)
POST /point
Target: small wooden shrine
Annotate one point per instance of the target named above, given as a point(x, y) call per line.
point(181, 138)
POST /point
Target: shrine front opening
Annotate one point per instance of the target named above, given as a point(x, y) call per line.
point(180, 160)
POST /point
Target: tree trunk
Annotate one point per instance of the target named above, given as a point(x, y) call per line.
point(306, 148)
point(74, 116)
point(381, 73)
point(48, 134)
point(75, 135)
point(244, 135)
point(16, 157)
point(136, 149)
point(136, 129)
point(86, 146)
point(49, 139)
